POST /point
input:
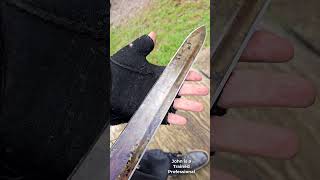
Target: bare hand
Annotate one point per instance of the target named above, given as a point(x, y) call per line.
point(187, 89)
point(261, 89)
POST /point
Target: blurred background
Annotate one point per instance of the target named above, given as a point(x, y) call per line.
point(298, 21)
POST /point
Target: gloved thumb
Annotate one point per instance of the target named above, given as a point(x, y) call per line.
point(144, 44)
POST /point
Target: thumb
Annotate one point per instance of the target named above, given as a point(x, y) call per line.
point(144, 44)
point(153, 36)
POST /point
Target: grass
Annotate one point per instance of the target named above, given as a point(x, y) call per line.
point(172, 21)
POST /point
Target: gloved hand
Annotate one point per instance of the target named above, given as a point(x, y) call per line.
point(133, 76)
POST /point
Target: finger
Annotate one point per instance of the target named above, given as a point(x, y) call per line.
point(253, 139)
point(189, 89)
point(187, 105)
point(153, 36)
point(176, 119)
point(220, 175)
point(253, 88)
point(267, 47)
point(142, 45)
point(194, 76)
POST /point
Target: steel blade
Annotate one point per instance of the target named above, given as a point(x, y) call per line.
point(132, 142)
point(231, 43)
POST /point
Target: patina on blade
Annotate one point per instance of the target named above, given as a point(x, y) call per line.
point(232, 41)
point(132, 143)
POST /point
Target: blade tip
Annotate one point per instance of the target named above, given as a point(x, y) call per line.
point(202, 28)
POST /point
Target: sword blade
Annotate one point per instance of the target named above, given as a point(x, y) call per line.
point(132, 142)
point(230, 45)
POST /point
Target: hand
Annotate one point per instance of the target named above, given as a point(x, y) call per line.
point(131, 83)
point(268, 89)
point(187, 89)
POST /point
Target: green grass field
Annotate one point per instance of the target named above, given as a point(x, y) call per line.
point(172, 21)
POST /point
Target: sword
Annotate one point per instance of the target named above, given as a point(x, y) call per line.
point(130, 146)
point(226, 53)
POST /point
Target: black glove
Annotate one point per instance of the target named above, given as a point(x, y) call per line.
point(217, 110)
point(132, 78)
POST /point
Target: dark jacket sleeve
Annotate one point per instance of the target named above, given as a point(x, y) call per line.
point(54, 83)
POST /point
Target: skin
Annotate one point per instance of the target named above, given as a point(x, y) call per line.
point(253, 89)
point(261, 89)
point(187, 89)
